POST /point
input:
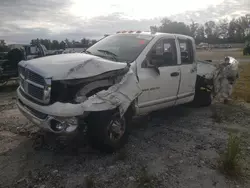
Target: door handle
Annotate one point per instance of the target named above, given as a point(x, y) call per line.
point(174, 74)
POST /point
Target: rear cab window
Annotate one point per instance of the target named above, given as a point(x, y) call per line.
point(186, 50)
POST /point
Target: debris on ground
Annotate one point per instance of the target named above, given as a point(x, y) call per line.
point(177, 147)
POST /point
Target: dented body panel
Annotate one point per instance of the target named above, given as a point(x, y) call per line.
point(119, 95)
point(71, 66)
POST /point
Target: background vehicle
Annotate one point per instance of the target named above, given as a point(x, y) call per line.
point(121, 76)
point(10, 60)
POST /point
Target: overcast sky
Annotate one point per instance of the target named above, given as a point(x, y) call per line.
point(23, 20)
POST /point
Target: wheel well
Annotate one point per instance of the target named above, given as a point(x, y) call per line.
point(202, 82)
point(96, 90)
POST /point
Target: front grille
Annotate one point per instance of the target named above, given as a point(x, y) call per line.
point(32, 83)
point(36, 78)
point(35, 91)
point(31, 98)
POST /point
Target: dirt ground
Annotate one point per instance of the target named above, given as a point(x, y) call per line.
point(177, 147)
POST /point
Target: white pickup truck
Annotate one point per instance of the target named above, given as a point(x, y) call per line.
point(99, 91)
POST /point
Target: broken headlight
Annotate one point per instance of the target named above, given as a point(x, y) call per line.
point(47, 90)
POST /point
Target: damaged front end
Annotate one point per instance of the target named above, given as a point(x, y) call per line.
point(74, 99)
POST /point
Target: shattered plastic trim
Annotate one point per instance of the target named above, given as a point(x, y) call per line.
point(224, 76)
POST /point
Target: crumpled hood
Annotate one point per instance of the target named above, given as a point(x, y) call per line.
point(71, 66)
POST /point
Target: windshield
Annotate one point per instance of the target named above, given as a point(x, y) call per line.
point(123, 48)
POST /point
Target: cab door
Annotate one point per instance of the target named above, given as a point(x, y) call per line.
point(159, 83)
point(188, 67)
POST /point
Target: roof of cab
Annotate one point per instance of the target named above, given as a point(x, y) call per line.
point(152, 34)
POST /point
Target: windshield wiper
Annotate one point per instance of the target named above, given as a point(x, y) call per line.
point(88, 52)
point(110, 53)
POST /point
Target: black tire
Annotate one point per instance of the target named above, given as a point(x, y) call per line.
point(99, 134)
point(202, 98)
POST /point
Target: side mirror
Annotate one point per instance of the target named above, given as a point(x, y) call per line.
point(152, 64)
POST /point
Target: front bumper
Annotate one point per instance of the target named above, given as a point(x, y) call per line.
point(41, 116)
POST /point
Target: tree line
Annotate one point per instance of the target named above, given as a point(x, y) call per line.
point(236, 30)
point(55, 44)
point(3, 46)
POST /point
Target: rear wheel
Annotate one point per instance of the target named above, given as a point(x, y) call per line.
point(107, 131)
point(203, 92)
point(202, 98)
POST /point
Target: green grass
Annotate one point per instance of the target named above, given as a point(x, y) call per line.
point(217, 54)
point(232, 130)
point(229, 162)
point(241, 90)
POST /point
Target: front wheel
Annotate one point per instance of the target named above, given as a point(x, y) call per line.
point(107, 131)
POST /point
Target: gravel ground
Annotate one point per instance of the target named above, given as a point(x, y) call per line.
point(177, 147)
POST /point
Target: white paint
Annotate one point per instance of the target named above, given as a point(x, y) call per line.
point(159, 90)
point(168, 87)
point(206, 69)
point(188, 74)
point(119, 95)
point(71, 66)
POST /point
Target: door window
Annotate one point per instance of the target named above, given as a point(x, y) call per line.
point(164, 53)
point(186, 49)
